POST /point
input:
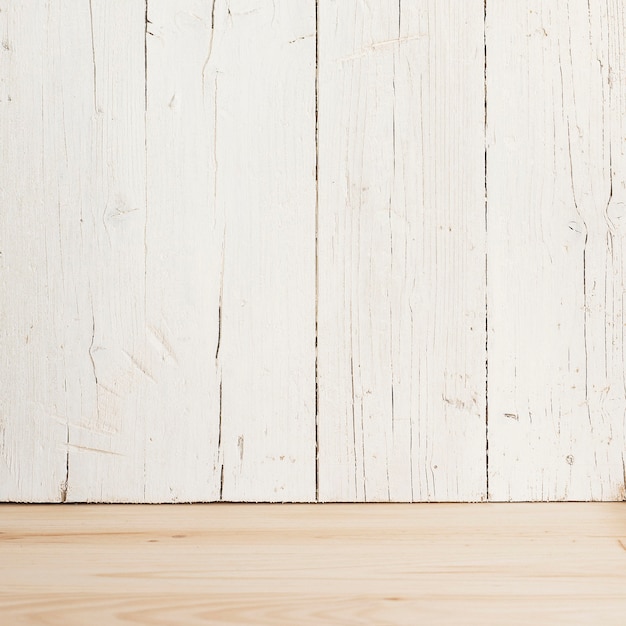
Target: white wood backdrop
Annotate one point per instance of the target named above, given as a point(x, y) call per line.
point(401, 301)
point(299, 250)
point(556, 130)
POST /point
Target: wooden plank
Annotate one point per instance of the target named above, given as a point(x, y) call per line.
point(158, 251)
point(556, 198)
point(106, 121)
point(401, 251)
point(266, 190)
point(33, 423)
point(231, 250)
point(312, 564)
point(184, 244)
point(72, 244)
point(266, 154)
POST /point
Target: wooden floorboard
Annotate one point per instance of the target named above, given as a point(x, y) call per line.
point(561, 563)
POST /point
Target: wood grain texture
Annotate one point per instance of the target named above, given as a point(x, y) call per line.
point(314, 564)
point(106, 445)
point(230, 243)
point(556, 95)
point(245, 253)
point(183, 246)
point(72, 250)
point(32, 422)
point(401, 330)
point(231, 331)
point(260, 69)
point(158, 251)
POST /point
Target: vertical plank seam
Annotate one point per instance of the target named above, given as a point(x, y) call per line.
point(624, 476)
point(65, 486)
point(486, 258)
point(218, 365)
point(317, 473)
point(220, 455)
point(145, 219)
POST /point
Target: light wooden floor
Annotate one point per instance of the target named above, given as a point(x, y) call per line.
point(381, 564)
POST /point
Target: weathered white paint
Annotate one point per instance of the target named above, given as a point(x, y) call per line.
point(231, 250)
point(183, 245)
point(33, 415)
point(557, 202)
point(72, 250)
point(261, 74)
point(158, 250)
point(401, 251)
point(246, 253)
point(104, 124)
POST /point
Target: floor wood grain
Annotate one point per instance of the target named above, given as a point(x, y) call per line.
point(559, 563)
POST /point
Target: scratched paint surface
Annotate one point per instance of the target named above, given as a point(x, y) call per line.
point(556, 205)
point(278, 250)
point(401, 330)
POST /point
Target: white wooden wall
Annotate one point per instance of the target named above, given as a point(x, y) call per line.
point(299, 250)
point(556, 253)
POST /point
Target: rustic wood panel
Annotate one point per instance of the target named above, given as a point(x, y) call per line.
point(260, 70)
point(267, 250)
point(73, 205)
point(158, 251)
point(33, 422)
point(230, 242)
point(556, 86)
point(401, 251)
point(183, 247)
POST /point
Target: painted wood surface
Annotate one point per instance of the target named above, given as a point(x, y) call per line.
point(556, 105)
point(216, 244)
point(401, 328)
point(73, 201)
point(158, 251)
point(298, 250)
point(230, 244)
point(225, 564)
point(184, 234)
point(33, 420)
